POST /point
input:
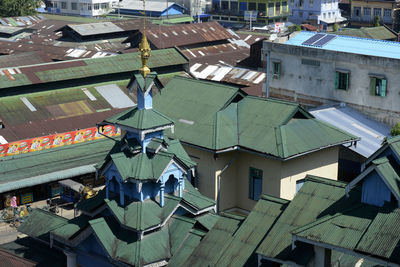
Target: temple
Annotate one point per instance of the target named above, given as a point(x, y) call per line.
point(148, 208)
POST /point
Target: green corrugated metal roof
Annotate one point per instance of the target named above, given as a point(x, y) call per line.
point(316, 198)
point(378, 33)
point(213, 244)
point(39, 223)
point(134, 164)
point(141, 166)
point(97, 66)
point(195, 199)
point(186, 248)
point(51, 164)
point(365, 229)
point(193, 105)
point(217, 120)
point(240, 250)
point(208, 220)
point(141, 119)
point(123, 245)
point(174, 20)
point(72, 227)
point(388, 173)
point(141, 216)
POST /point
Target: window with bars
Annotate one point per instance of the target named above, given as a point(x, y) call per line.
point(276, 70)
point(342, 80)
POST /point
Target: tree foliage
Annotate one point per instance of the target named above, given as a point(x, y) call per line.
point(15, 8)
point(335, 27)
point(376, 21)
point(395, 130)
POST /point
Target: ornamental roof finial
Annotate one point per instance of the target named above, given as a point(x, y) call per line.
point(144, 47)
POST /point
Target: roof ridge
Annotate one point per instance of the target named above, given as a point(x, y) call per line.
point(323, 180)
point(274, 199)
point(206, 82)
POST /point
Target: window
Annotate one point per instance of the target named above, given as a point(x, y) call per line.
point(284, 6)
point(234, 6)
point(324, 15)
point(367, 11)
point(270, 9)
point(261, 8)
point(311, 3)
point(104, 5)
point(74, 6)
point(276, 70)
point(278, 8)
point(310, 62)
point(225, 5)
point(89, 7)
point(378, 86)
point(255, 183)
point(96, 6)
point(252, 6)
point(342, 80)
point(377, 12)
point(387, 13)
point(357, 11)
point(63, 5)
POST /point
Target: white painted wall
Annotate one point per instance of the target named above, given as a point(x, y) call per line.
point(317, 83)
point(91, 8)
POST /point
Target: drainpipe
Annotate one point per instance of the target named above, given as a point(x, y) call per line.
point(268, 70)
point(219, 180)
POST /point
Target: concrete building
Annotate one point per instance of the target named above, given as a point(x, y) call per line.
point(315, 69)
point(90, 8)
point(327, 223)
point(324, 12)
point(268, 11)
point(245, 145)
point(153, 8)
point(364, 12)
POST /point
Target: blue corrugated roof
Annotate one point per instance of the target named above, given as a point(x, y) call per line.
point(350, 44)
point(371, 132)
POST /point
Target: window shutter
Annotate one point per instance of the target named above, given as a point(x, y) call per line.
point(251, 189)
point(279, 69)
point(347, 81)
point(382, 91)
point(336, 80)
point(372, 85)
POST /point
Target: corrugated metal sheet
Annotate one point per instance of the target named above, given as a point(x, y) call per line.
point(239, 250)
point(95, 28)
point(214, 243)
point(316, 198)
point(364, 229)
point(371, 132)
point(186, 34)
point(51, 165)
point(264, 125)
point(114, 96)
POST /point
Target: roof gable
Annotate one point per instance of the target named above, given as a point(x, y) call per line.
point(386, 173)
point(316, 198)
point(216, 121)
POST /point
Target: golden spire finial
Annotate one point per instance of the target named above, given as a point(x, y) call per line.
point(144, 47)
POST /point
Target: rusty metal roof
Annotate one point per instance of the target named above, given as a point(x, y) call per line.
point(84, 68)
point(233, 75)
point(24, 59)
point(186, 34)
